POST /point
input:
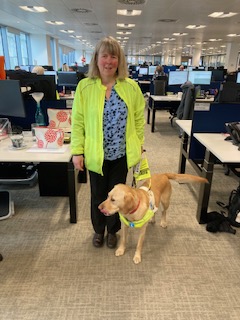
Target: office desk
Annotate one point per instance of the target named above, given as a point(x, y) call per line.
point(161, 103)
point(167, 103)
point(216, 148)
point(186, 126)
point(144, 85)
point(15, 156)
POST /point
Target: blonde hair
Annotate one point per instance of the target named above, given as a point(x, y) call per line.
point(38, 70)
point(110, 45)
point(65, 67)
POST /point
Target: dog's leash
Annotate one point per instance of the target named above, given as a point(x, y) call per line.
point(141, 171)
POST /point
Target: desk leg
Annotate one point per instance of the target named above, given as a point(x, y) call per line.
point(72, 189)
point(148, 115)
point(205, 188)
point(183, 153)
point(153, 117)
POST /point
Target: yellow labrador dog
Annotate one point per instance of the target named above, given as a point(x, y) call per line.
point(136, 207)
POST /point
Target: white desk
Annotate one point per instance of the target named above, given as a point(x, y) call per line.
point(216, 148)
point(15, 156)
point(161, 103)
point(185, 125)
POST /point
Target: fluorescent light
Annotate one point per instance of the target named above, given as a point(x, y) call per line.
point(129, 12)
point(233, 35)
point(194, 26)
point(67, 31)
point(55, 23)
point(125, 25)
point(214, 39)
point(33, 9)
point(179, 34)
point(222, 14)
point(123, 32)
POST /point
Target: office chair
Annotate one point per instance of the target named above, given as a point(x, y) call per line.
point(186, 107)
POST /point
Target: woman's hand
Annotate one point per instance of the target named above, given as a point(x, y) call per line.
point(78, 162)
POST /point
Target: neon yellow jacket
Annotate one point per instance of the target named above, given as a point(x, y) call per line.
point(87, 121)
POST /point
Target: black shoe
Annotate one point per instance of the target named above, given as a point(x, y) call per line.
point(111, 240)
point(98, 240)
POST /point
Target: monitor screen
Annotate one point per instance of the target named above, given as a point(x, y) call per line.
point(151, 70)
point(51, 73)
point(200, 77)
point(11, 102)
point(229, 92)
point(238, 77)
point(68, 79)
point(167, 69)
point(217, 75)
point(177, 77)
point(143, 70)
point(47, 85)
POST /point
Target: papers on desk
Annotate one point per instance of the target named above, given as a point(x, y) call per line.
point(34, 148)
point(198, 106)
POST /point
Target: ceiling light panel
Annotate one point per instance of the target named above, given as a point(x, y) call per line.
point(33, 9)
point(222, 14)
point(129, 12)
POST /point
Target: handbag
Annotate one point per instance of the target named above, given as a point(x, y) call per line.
point(49, 138)
point(233, 128)
point(59, 118)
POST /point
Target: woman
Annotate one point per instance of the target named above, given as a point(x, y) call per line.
point(107, 130)
point(158, 72)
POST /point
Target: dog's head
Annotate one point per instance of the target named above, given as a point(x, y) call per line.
point(120, 199)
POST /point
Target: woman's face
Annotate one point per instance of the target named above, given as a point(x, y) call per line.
point(107, 64)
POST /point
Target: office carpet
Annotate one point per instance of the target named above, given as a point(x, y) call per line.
point(51, 271)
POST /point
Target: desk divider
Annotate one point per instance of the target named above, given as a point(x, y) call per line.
point(212, 121)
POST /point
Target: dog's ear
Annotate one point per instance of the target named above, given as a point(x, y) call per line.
point(129, 201)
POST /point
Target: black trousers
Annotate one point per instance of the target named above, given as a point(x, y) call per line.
point(114, 172)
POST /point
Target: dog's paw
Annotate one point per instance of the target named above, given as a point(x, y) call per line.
point(152, 220)
point(163, 224)
point(119, 252)
point(137, 258)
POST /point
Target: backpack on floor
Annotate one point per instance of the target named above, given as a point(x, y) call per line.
point(233, 207)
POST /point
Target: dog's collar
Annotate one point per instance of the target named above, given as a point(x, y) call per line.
point(134, 210)
point(137, 224)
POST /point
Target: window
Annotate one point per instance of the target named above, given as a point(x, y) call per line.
point(12, 50)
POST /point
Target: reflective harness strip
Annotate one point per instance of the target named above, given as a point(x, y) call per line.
point(149, 214)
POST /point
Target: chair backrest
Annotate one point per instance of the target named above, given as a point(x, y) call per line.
point(185, 109)
point(159, 87)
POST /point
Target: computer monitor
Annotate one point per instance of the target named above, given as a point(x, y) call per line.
point(238, 77)
point(167, 69)
point(151, 70)
point(229, 92)
point(11, 102)
point(51, 73)
point(200, 77)
point(143, 71)
point(68, 79)
point(177, 77)
point(47, 85)
point(217, 75)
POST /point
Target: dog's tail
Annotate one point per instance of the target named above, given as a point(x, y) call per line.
point(185, 178)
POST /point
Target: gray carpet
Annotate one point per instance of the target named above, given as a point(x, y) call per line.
point(51, 270)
